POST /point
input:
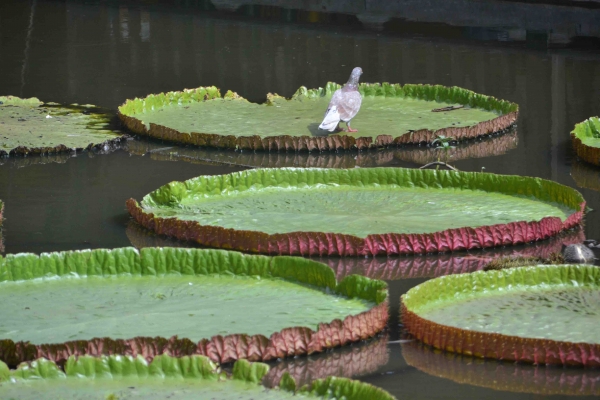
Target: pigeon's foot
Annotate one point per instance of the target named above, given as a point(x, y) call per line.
point(350, 130)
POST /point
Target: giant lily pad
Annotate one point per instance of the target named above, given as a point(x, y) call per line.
point(586, 140)
point(544, 314)
point(207, 301)
point(195, 377)
point(28, 126)
point(391, 114)
point(359, 211)
point(504, 376)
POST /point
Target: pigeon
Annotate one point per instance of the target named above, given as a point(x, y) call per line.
point(577, 253)
point(344, 105)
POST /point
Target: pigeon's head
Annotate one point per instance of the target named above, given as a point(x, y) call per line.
point(356, 73)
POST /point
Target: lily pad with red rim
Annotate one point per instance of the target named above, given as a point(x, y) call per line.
point(391, 114)
point(194, 377)
point(543, 315)
point(357, 212)
point(180, 302)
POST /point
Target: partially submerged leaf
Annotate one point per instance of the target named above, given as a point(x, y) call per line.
point(390, 114)
point(28, 126)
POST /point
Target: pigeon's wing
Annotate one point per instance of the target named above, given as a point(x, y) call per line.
point(335, 100)
point(332, 116)
point(331, 120)
point(349, 105)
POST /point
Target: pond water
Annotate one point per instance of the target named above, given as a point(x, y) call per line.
point(103, 52)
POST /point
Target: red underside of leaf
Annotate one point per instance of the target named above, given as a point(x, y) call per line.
point(220, 349)
point(331, 244)
point(440, 265)
point(587, 153)
point(501, 347)
point(316, 143)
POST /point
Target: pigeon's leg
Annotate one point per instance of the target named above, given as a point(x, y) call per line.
point(338, 128)
point(350, 129)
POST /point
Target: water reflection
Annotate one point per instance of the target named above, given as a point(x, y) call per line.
point(433, 265)
point(497, 21)
point(505, 376)
point(162, 151)
point(585, 175)
point(395, 268)
point(349, 362)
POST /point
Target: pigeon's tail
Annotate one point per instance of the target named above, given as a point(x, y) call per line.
point(331, 120)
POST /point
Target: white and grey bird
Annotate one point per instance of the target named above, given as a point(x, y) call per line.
point(344, 105)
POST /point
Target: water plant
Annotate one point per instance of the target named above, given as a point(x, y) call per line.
point(586, 140)
point(95, 302)
point(189, 377)
point(391, 114)
point(30, 126)
point(394, 210)
point(522, 314)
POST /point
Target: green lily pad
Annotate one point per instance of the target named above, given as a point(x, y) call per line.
point(390, 114)
point(504, 376)
point(28, 126)
point(544, 314)
point(72, 298)
point(586, 140)
point(196, 377)
point(359, 211)
point(1, 212)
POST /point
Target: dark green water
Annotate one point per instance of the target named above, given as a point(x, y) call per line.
point(102, 52)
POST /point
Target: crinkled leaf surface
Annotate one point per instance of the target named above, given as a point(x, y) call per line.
point(357, 202)
point(543, 302)
point(60, 297)
point(196, 377)
point(25, 123)
point(386, 109)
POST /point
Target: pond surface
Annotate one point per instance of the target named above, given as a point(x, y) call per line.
point(103, 52)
